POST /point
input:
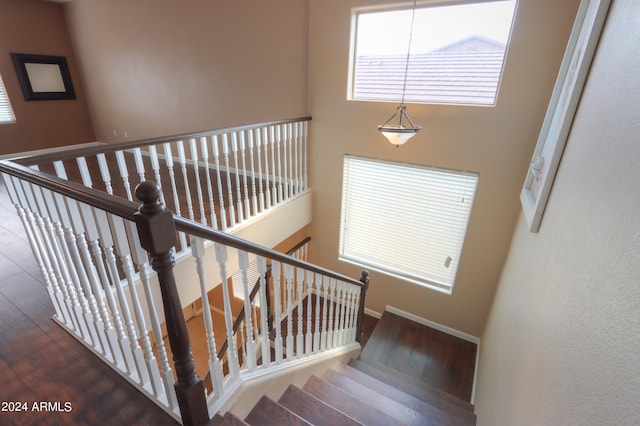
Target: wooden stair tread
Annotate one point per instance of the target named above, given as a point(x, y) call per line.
point(267, 412)
point(227, 420)
point(433, 409)
point(412, 386)
point(387, 405)
point(312, 409)
point(347, 404)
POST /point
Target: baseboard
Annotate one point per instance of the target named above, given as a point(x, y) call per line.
point(371, 313)
point(48, 150)
point(434, 325)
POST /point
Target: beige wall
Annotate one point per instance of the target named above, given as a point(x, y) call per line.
point(161, 67)
point(497, 142)
point(562, 341)
point(38, 27)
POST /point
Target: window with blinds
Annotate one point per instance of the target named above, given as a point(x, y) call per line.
point(6, 113)
point(405, 220)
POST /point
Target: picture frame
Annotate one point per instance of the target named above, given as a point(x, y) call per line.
point(43, 77)
point(561, 110)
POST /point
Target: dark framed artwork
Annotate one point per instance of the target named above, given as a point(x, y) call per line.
point(43, 77)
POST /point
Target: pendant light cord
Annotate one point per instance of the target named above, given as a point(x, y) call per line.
point(406, 68)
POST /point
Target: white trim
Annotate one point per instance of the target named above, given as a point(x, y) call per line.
point(372, 313)
point(475, 374)
point(48, 150)
point(434, 325)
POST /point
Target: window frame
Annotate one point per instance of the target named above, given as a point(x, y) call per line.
point(385, 210)
point(409, 99)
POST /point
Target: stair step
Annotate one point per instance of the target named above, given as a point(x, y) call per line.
point(444, 414)
point(267, 412)
point(347, 404)
point(385, 404)
point(416, 388)
point(312, 409)
point(227, 420)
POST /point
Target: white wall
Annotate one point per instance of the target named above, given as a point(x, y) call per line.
point(562, 341)
point(497, 142)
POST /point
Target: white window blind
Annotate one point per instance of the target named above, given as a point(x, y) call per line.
point(6, 113)
point(405, 220)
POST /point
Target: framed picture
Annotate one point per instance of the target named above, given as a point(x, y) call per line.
point(562, 107)
point(43, 77)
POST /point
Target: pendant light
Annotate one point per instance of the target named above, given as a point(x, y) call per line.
point(403, 129)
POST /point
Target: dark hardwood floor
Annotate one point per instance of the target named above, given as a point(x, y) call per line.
point(423, 353)
point(41, 363)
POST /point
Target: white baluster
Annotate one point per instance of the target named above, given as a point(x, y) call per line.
point(278, 154)
point(232, 350)
point(339, 314)
point(225, 153)
point(331, 318)
point(323, 333)
point(58, 261)
point(193, 149)
point(356, 305)
point(243, 156)
point(216, 158)
point(182, 159)
point(288, 169)
point(161, 386)
point(304, 154)
point(84, 171)
point(155, 166)
point(267, 186)
point(254, 197)
point(243, 260)
point(215, 367)
point(137, 155)
point(124, 173)
point(168, 158)
point(106, 252)
point(316, 335)
point(123, 252)
point(277, 309)
point(264, 324)
point(309, 337)
point(99, 281)
point(300, 275)
point(274, 177)
point(104, 172)
point(73, 242)
point(38, 251)
point(205, 157)
point(234, 151)
point(298, 156)
point(289, 282)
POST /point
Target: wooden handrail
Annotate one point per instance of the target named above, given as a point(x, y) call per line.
point(111, 147)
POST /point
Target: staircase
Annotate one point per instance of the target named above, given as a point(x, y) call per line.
point(362, 392)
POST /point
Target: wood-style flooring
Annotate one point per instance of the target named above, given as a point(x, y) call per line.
point(42, 363)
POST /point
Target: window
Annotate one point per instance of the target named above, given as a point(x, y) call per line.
point(405, 220)
point(6, 113)
point(457, 53)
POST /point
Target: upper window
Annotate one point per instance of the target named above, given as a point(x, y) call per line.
point(6, 113)
point(405, 220)
point(457, 52)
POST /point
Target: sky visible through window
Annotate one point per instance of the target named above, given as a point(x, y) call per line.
point(435, 26)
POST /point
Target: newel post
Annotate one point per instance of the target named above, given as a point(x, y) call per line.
point(158, 236)
point(364, 279)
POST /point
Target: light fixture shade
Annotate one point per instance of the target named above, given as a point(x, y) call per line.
point(399, 134)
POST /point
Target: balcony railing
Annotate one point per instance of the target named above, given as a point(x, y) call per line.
point(107, 261)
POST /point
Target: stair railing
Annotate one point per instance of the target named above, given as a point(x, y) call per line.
point(106, 271)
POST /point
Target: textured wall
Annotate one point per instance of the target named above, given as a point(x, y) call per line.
point(38, 27)
point(562, 342)
point(161, 67)
point(497, 142)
